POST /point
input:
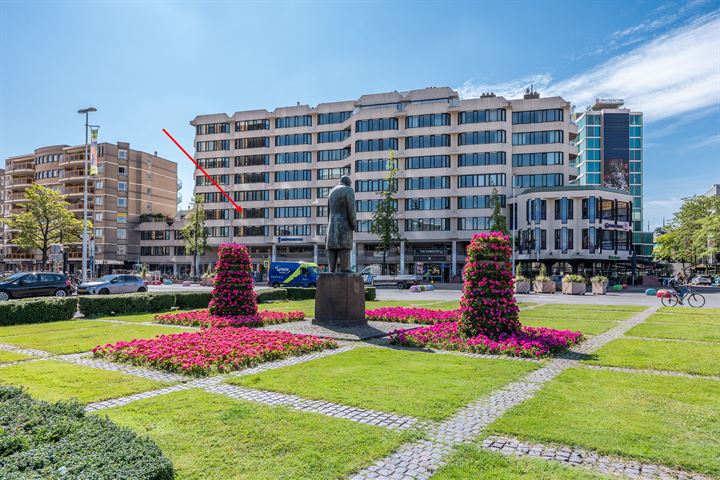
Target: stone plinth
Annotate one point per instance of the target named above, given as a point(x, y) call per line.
point(340, 300)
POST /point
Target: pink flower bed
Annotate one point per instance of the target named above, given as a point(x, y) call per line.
point(233, 293)
point(423, 316)
point(202, 318)
point(527, 342)
point(212, 350)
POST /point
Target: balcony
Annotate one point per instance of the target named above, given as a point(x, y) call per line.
point(20, 168)
point(19, 257)
point(74, 192)
point(72, 176)
point(72, 160)
point(20, 183)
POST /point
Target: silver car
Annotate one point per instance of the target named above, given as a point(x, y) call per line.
point(113, 284)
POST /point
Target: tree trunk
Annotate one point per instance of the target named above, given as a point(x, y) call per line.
point(194, 266)
point(384, 261)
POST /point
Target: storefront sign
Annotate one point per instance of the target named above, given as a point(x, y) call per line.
point(290, 239)
point(431, 254)
point(616, 226)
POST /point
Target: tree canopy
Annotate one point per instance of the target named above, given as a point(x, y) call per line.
point(194, 231)
point(693, 233)
point(385, 223)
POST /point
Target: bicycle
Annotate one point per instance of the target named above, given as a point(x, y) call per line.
point(694, 299)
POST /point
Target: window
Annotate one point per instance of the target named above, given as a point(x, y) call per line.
point(251, 142)
point(481, 116)
point(534, 159)
point(252, 231)
point(564, 206)
point(431, 203)
point(482, 180)
point(368, 205)
point(293, 139)
point(564, 239)
point(202, 180)
point(371, 165)
point(213, 145)
point(537, 138)
point(364, 226)
point(213, 197)
point(179, 250)
point(480, 159)
point(334, 136)
point(376, 145)
point(98, 184)
point(293, 157)
point(122, 170)
point(292, 212)
point(211, 128)
point(292, 230)
point(217, 231)
point(321, 230)
point(540, 180)
point(293, 176)
point(98, 232)
point(333, 117)
point(296, 121)
point(99, 217)
point(253, 177)
point(536, 210)
point(436, 120)
point(121, 218)
point(216, 214)
point(427, 183)
point(121, 234)
point(429, 161)
point(329, 155)
point(122, 186)
point(427, 224)
point(332, 173)
point(481, 138)
point(427, 141)
point(474, 223)
point(322, 211)
point(98, 200)
point(122, 202)
point(122, 154)
point(293, 194)
point(122, 249)
point(249, 213)
point(379, 185)
point(222, 162)
point(251, 125)
point(537, 116)
point(479, 201)
point(376, 124)
point(323, 192)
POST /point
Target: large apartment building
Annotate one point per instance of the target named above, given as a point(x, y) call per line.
point(451, 153)
point(130, 185)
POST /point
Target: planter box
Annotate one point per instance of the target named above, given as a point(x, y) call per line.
point(599, 288)
point(544, 287)
point(573, 288)
point(522, 287)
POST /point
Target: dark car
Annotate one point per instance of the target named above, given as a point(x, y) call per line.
point(36, 284)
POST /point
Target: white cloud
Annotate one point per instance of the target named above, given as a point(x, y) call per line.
point(706, 141)
point(512, 89)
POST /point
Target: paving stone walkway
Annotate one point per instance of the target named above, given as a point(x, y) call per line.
point(578, 457)
point(419, 460)
point(148, 373)
point(25, 351)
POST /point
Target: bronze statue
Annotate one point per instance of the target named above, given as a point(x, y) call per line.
point(341, 216)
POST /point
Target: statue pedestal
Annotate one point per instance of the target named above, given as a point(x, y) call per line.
point(340, 300)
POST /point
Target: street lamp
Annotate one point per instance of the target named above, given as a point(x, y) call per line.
point(85, 111)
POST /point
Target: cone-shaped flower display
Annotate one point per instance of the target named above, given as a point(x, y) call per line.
point(488, 306)
point(233, 292)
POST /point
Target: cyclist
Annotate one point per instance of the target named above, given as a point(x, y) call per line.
point(678, 284)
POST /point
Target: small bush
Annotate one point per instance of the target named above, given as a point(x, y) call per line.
point(37, 310)
point(187, 300)
point(543, 276)
point(599, 279)
point(519, 277)
point(370, 294)
point(272, 294)
point(97, 305)
point(294, 293)
point(573, 279)
point(58, 440)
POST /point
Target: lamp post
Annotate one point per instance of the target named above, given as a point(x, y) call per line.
point(85, 111)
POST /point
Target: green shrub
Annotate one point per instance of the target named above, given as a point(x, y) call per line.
point(543, 276)
point(599, 279)
point(295, 293)
point(59, 440)
point(271, 294)
point(370, 294)
point(187, 300)
point(573, 279)
point(518, 274)
point(96, 305)
point(37, 310)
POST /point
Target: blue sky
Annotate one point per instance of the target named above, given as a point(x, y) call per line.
point(153, 65)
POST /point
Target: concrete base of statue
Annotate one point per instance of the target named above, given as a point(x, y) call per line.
point(340, 300)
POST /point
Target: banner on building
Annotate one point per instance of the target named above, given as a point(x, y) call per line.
point(616, 174)
point(93, 151)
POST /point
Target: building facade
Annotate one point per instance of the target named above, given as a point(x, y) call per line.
point(162, 248)
point(130, 185)
point(451, 154)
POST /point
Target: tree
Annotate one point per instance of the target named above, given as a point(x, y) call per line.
point(498, 222)
point(693, 232)
point(384, 223)
point(45, 221)
point(194, 232)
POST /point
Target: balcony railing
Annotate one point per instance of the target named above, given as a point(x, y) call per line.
point(20, 256)
point(76, 190)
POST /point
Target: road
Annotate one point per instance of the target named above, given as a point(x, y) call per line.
point(712, 296)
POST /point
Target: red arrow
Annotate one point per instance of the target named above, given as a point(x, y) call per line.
point(237, 207)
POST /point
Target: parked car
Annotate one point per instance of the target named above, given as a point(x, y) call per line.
point(701, 280)
point(402, 282)
point(113, 284)
point(34, 284)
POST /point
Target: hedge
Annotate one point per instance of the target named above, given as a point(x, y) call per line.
point(189, 300)
point(96, 305)
point(271, 294)
point(370, 294)
point(59, 440)
point(37, 310)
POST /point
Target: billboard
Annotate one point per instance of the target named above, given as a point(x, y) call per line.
point(616, 150)
point(93, 151)
point(616, 173)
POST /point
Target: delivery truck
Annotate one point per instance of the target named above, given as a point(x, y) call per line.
point(292, 274)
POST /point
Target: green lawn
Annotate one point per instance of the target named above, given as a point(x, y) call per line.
point(85, 339)
point(140, 317)
point(471, 462)
point(687, 357)
point(552, 311)
point(685, 319)
point(704, 332)
point(211, 436)
point(424, 385)
point(53, 380)
point(715, 312)
point(33, 328)
point(587, 327)
point(9, 357)
point(590, 308)
point(670, 420)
